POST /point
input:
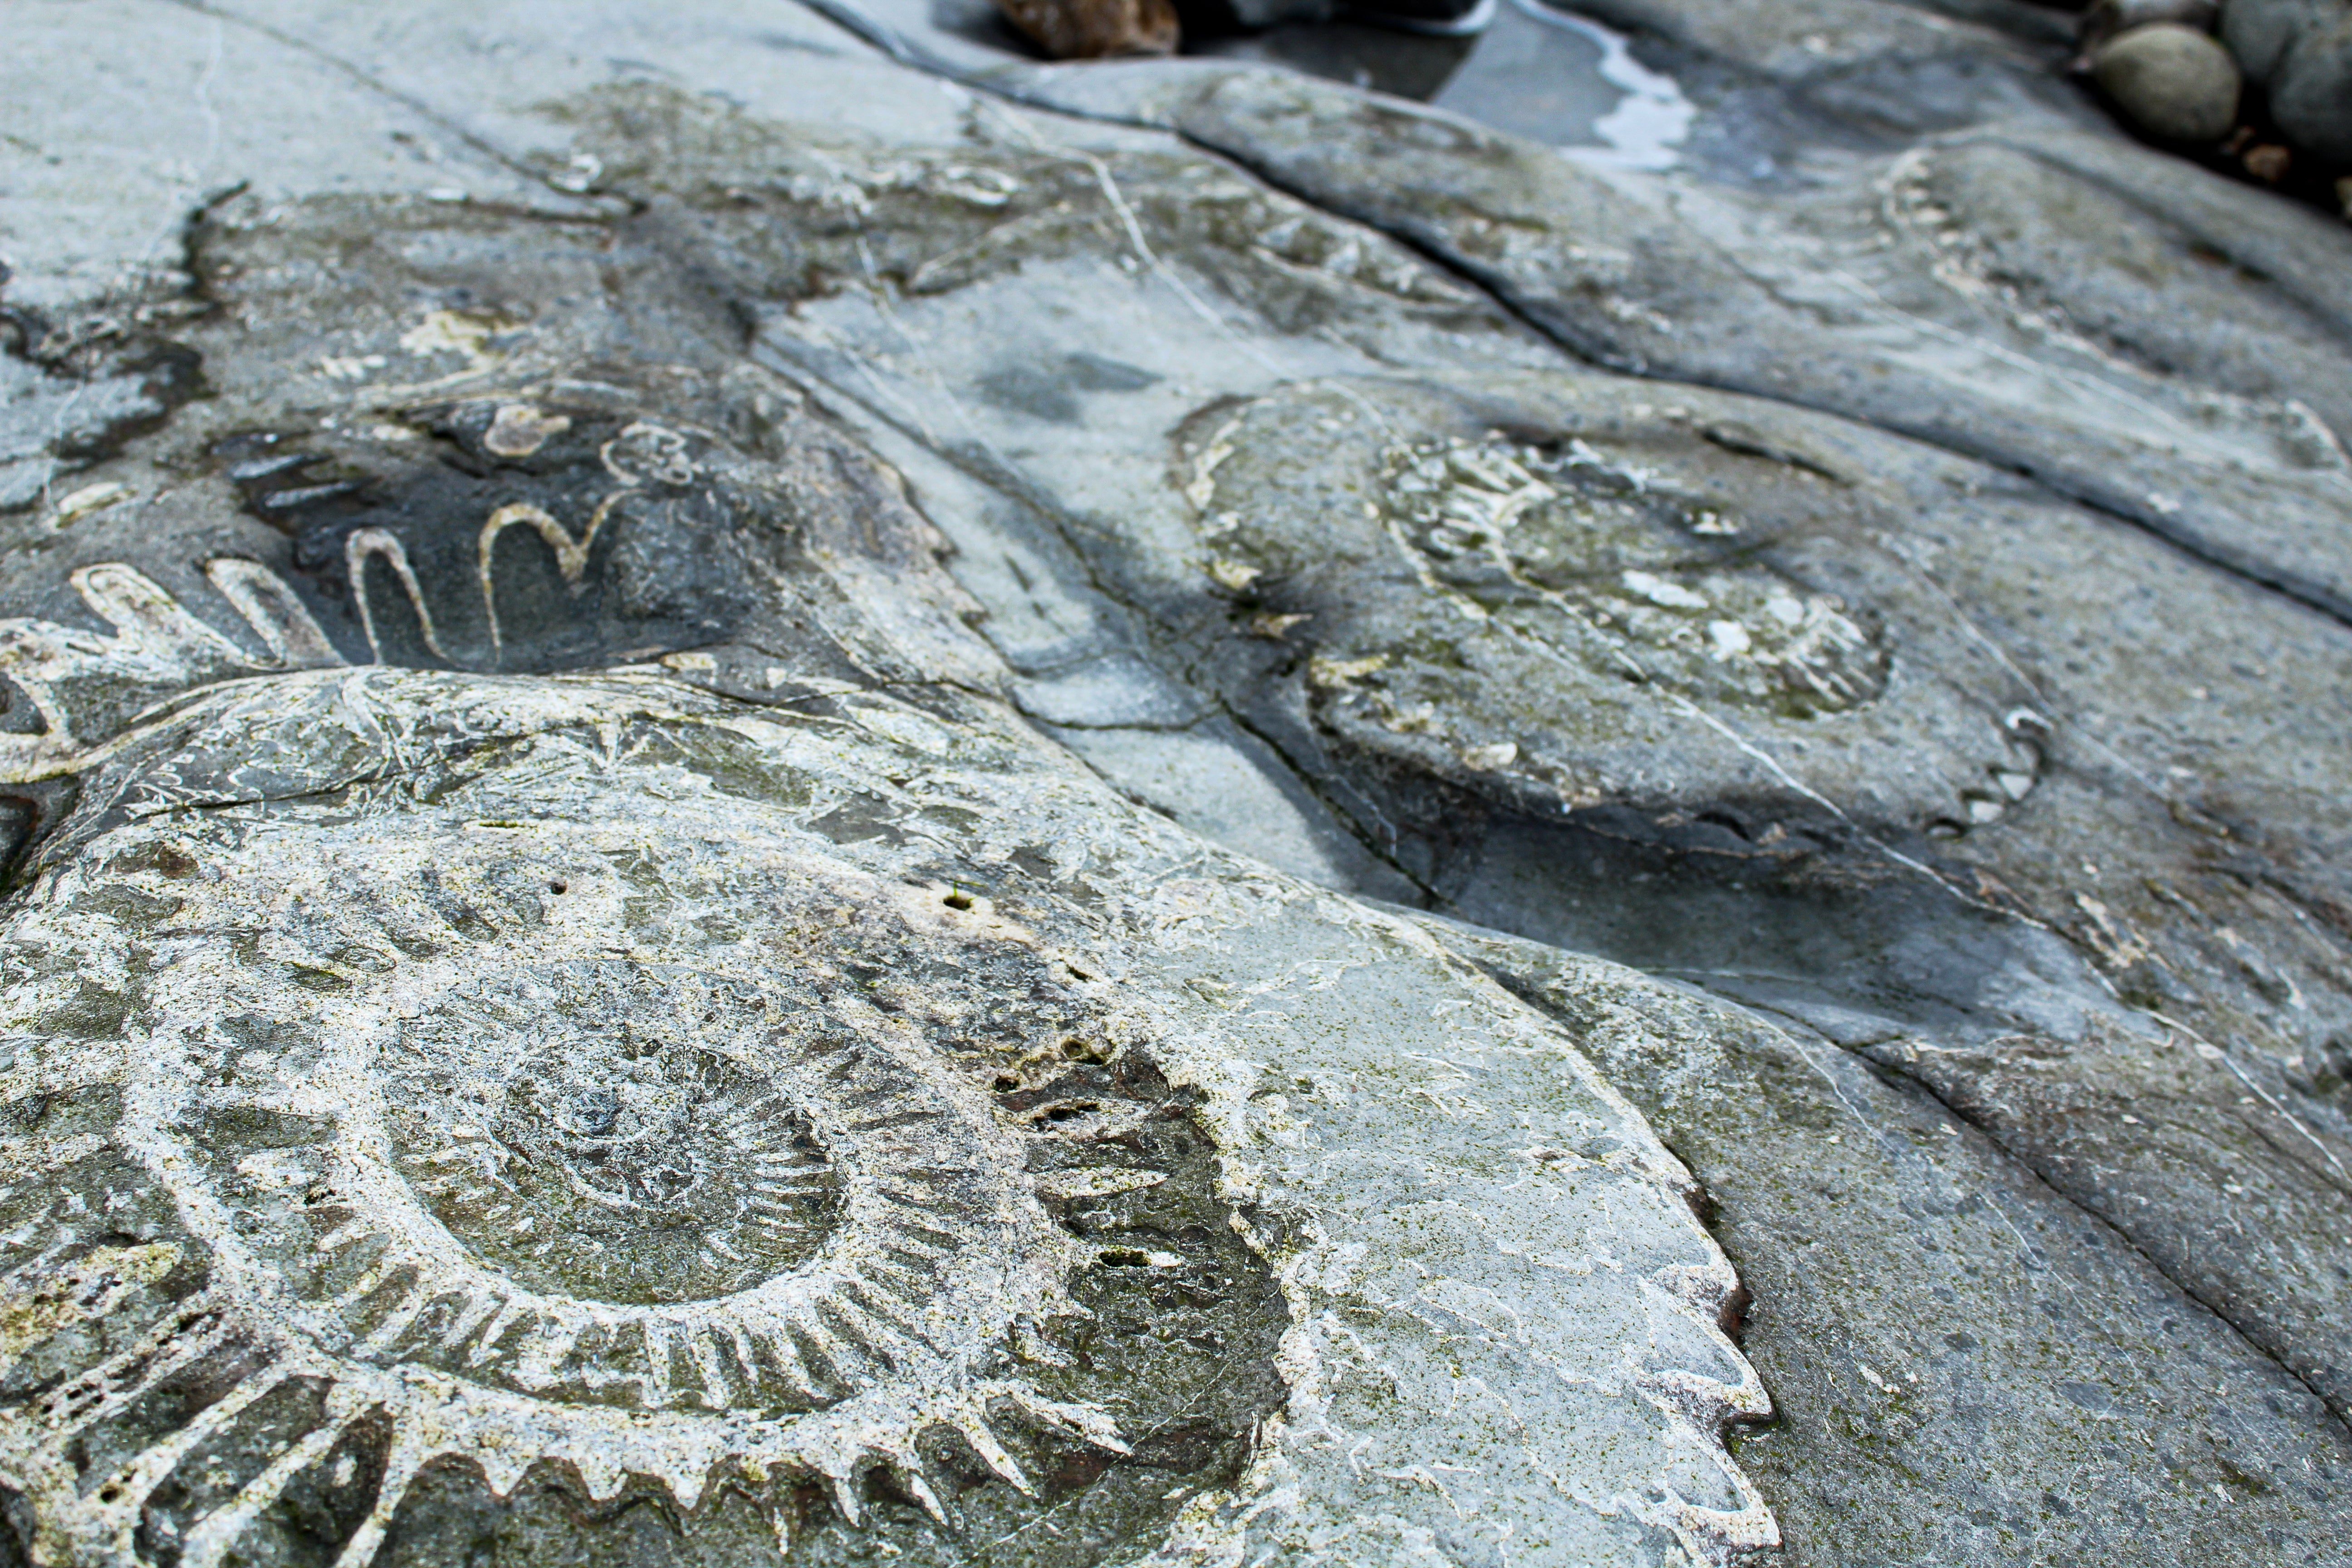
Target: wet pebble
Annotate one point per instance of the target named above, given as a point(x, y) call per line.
point(2311, 100)
point(2171, 81)
point(2300, 51)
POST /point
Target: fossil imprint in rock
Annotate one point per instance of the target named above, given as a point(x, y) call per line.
point(1574, 592)
point(438, 1103)
point(426, 1086)
point(625, 1141)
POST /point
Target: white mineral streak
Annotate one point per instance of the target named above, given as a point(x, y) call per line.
point(477, 920)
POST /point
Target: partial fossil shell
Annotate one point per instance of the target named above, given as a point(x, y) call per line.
point(1540, 591)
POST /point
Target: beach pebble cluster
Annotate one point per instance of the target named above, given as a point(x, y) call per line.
point(2269, 82)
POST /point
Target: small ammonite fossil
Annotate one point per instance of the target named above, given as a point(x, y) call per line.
point(661, 1169)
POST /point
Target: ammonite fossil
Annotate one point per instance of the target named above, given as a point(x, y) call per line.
point(437, 1103)
point(1547, 590)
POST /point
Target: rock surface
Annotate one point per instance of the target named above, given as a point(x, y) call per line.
point(1927, 1439)
point(778, 788)
point(828, 1127)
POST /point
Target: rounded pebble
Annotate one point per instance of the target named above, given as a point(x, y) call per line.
point(2173, 82)
point(2261, 33)
point(2311, 98)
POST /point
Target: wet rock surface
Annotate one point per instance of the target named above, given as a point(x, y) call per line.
point(778, 788)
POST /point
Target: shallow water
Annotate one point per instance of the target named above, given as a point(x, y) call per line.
point(1573, 83)
point(1536, 71)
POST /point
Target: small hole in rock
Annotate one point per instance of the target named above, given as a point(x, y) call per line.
point(957, 899)
point(558, 888)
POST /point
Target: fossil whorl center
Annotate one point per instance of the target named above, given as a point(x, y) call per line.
point(526, 1158)
point(656, 1170)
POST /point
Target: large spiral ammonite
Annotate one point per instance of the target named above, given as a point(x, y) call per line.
point(587, 1117)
